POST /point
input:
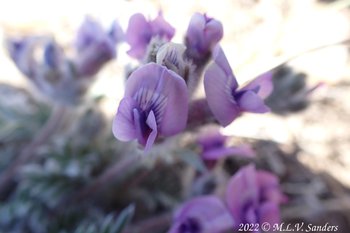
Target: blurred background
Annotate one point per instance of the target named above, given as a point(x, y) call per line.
point(305, 139)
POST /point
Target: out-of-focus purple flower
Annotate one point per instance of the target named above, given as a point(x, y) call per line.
point(202, 35)
point(207, 214)
point(43, 61)
point(214, 147)
point(224, 98)
point(254, 196)
point(155, 103)
point(140, 32)
point(95, 46)
point(53, 56)
point(20, 51)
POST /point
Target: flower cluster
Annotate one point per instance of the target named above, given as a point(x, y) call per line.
point(58, 76)
point(252, 196)
point(141, 31)
point(158, 98)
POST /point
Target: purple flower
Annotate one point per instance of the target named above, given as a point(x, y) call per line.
point(214, 147)
point(43, 61)
point(254, 196)
point(155, 103)
point(140, 32)
point(202, 35)
point(21, 52)
point(53, 55)
point(224, 98)
point(95, 46)
point(207, 214)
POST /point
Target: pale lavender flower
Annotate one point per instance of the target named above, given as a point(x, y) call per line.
point(202, 35)
point(95, 46)
point(20, 51)
point(140, 32)
point(206, 214)
point(213, 145)
point(43, 61)
point(254, 196)
point(155, 103)
point(224, 98)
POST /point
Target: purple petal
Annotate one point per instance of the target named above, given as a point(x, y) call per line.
point(94, 57)
point(224, 152)
point(116, 32)
point(267, 179)
point(269, 183)
point(262, 83)
point(21, 51)
point(218, 90)
point(209, 211)
point(137, 51)
point(138, 35)
point(88, 33)
point(269, 212)
point(162, 28)
point(53, 55)
point(211, 139)
point(123, 123)
point(216, 153)
point(95, 47)
point(140, 126)
point(213, 33)
point(242, 191)
point(251, 102)
point(202, 34)
point(220, 59)
point(250, 215)
point(166, 90)
point(176, 111)
point(151, 122)
point(194, 34)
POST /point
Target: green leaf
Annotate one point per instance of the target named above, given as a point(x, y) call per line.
point(192, 159)
point(123, 219)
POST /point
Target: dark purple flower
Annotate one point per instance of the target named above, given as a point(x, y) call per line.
point(214, 147)
point(224, 98)
point(202, 35)
point(155, 103)
point(53, 56)
point(140, 32)
point(95, 46)
point(207, 214)
point(254, 196)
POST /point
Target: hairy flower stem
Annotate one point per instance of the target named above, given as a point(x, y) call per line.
point(28, 152)
point(199, 114)
point(151, 225)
